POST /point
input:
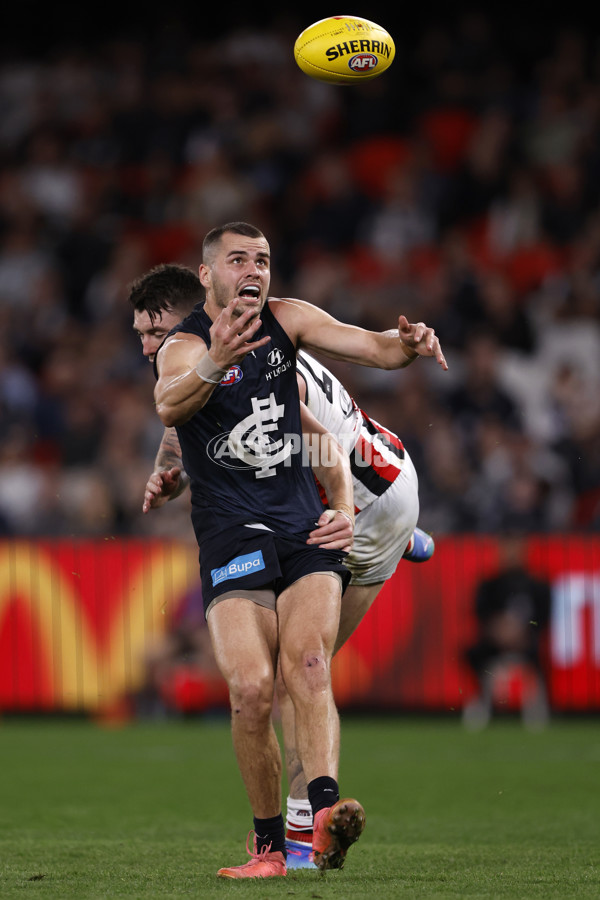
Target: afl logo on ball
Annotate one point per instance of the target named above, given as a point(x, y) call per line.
point(275, 357)
point(234, 375)
point(363, 62)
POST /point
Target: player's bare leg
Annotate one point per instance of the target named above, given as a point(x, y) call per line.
point(356, 601)
point(311, 616)
point(308, 622)
point(293, 766)
point(244, 638)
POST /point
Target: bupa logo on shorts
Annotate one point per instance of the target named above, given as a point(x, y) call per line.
point(234, 375)
point(275, 357)
point(238, 567)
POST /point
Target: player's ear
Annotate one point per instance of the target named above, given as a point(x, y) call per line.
point(204, 275)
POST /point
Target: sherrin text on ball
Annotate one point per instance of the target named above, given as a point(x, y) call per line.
point(344, 50)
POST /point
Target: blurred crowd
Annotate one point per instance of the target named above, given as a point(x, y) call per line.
point(462, 188)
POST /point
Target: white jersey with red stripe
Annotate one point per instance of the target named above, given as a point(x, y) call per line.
point(376, 454)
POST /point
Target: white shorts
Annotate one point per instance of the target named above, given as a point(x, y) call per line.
point(384, 529)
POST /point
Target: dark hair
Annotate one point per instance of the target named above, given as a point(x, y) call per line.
point(214, 236)
point(167, 287)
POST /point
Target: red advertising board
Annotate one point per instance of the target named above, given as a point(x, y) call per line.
point(408, 652)
point(75, 618)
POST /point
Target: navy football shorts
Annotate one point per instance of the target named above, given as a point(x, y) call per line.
point(247, 558)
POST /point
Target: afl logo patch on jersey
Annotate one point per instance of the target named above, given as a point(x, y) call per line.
point(275, 357)
point(234, 375)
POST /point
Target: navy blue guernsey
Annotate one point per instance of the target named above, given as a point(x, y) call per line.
point(242, 450)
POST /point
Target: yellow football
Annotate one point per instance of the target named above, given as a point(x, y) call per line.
point(344, 50)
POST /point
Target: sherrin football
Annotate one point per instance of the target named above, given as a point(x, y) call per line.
point(344, 50)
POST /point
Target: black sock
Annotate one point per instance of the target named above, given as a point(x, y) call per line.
point(323, 792)
point(270, 831)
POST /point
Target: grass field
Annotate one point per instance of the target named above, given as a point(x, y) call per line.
point(154, 810)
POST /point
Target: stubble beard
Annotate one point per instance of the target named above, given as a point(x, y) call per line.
point(222, 299)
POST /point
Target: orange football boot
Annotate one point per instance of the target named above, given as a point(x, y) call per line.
point(261, 865)
point(335, 829)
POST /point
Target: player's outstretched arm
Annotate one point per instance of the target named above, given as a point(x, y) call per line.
point(314, 329)
point(168, 480)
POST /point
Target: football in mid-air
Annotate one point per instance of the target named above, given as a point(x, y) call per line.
point(344, 50)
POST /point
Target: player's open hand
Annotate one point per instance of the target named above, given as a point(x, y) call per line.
point(160, 487)
point(231, 336)
point(335, 531)
point(422, 339)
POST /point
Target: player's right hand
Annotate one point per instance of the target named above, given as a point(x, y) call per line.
point(231, 336)
point(421, 339)
point(160, 487)
point(334, 531)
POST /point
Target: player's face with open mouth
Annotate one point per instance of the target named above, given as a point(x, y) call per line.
point(239, 269)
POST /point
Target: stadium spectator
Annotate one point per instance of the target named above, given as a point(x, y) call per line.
point(512, 609)
point(181, 675)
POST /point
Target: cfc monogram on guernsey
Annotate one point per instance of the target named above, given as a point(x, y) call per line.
point(376, 454)
point(250, 440)
point(241, 449)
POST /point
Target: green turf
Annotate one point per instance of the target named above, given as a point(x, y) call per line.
point(153, 811)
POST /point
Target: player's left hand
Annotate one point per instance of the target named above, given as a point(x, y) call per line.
point(160, 487)
point(422, 339)
point(335, 531)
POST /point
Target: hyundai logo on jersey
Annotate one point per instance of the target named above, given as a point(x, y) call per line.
point(238, 567)
point(275, 357)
